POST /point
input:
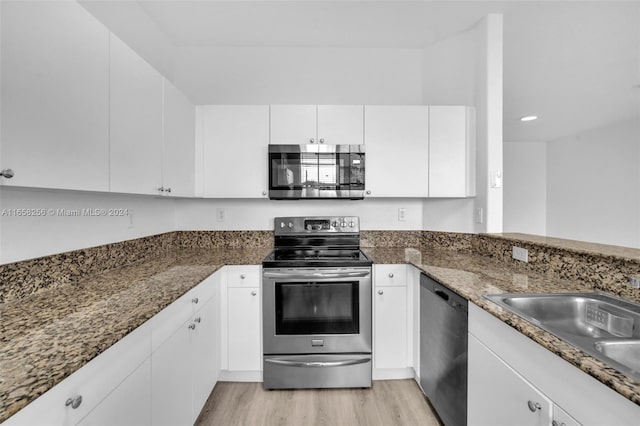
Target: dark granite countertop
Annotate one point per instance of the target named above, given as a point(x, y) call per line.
point(472, 276)
point(49, 335)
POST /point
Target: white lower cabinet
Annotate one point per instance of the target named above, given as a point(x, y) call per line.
point(171, 379)
point(392, 320)
point(184, 366)
point(128, 404)
point(500, 396)
point(205, 357)
point(242, 359)
point(390, 327)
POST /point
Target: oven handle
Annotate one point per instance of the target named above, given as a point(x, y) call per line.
point(304, 276)
point(320, 364)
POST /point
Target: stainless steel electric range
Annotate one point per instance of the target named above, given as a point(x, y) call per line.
point(317, 305)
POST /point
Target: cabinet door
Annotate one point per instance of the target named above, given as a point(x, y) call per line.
point(205, 360)
point(54, 96)
point(390, 325)
point(136, 122)
point(128, 404)
point(244, 329)
point(397, 140)
point(171, 392)
point(341, 124)
point(451, 152)
point(235, 145)
point(293, 124)
point(562, 418)
point(178, 155)
point(500, 396)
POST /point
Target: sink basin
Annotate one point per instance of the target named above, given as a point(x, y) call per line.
point(587, 315)
point(603, 326)
point(625, 352)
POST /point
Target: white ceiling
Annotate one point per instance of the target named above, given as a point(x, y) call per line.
point(573, 63)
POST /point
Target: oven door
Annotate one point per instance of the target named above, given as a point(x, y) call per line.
point(316, 310)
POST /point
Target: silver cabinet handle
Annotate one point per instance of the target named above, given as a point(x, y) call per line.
point(264, 192)
point(168, 190)
point(555, 423)
point(7, 173)
point(318, 363)
point(312, 140)
point(321, 140)
point(533, 406)
point(197, 319)
point(368, 192)
point(192, 326)
point(243, 276)
point(161, 189)
point(74, 402)
point(390, 274)
point(380, 292)
point(319, 275)
point(253, 293)
point(194, 300)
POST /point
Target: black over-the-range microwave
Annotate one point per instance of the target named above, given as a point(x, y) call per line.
point(316, 171)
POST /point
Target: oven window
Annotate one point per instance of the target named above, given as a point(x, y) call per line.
point(317, 308)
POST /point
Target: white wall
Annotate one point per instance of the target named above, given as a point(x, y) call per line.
point(593, 185)
point(448, 70)
point(448, 215)
point(467, 69)
point(525, 187)
point(292, 75)
point(24, 238)
point(375, 214)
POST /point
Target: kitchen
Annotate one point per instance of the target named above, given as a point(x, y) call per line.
point(243, 74)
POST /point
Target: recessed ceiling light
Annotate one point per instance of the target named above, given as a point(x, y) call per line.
point(529, 118)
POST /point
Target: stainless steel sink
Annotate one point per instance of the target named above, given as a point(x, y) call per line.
point(603, 326)
point(626, 352)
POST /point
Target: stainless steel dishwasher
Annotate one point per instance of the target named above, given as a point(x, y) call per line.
point(443, 350)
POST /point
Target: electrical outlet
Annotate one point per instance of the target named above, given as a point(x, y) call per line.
point(402, 214)
point(221, 215)
point(479, 215)
point(634, 282)
point(131, 221)
point(521, 254)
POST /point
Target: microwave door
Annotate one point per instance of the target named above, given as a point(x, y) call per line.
point(328, 175)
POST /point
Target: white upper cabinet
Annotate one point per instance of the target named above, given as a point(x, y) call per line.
point(452, 154)
point(293, 124)
point(328, 124)
point(341, 124)
point(55, 96)
point(235, 141)
point(178, 156)
point(397, 151)
point(136, 122)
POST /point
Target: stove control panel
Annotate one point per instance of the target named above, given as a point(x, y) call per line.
point(317, 224)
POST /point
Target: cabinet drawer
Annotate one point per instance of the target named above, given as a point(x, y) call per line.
point(244, 276)
point(390, 275)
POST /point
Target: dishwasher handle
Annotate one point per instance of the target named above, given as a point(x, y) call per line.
point(442, 294)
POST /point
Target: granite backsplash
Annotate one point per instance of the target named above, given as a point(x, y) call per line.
point(601, 271)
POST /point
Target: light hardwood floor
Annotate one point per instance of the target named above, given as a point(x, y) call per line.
point(387, 403)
